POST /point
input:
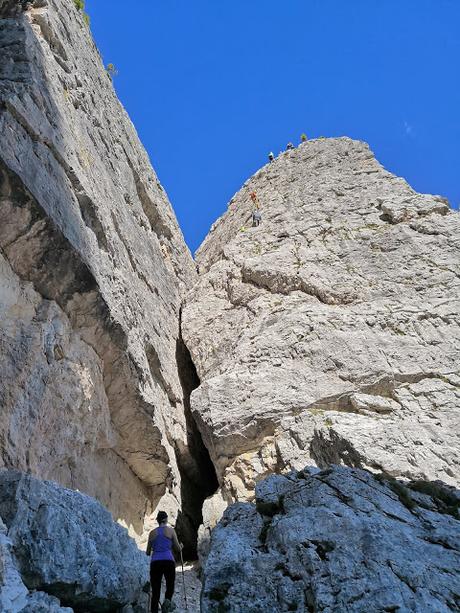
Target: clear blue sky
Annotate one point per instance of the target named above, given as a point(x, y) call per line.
point(213, 85)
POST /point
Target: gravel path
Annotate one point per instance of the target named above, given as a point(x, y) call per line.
point(192, 588)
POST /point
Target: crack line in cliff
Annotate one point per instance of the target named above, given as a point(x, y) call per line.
point(198, 478)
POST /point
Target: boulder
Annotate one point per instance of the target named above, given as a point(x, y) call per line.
point(337, 540)
point(13, 592)
point(67, 547)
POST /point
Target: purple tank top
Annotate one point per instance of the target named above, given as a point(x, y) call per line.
point(162, 547)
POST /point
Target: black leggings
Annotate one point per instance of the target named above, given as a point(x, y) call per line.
point(157, 570)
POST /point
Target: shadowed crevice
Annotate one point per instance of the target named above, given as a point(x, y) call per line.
point(198, 475)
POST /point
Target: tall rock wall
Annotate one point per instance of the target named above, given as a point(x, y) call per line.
point(93, 270)
point(329, 333)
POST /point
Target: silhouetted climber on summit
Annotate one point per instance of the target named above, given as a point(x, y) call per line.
point(159, 546)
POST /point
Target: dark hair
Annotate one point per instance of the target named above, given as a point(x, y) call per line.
point(161, 517)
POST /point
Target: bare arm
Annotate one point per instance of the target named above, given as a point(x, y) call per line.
point(175, 540)
point(149, 543)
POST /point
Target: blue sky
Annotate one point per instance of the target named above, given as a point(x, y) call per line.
point(213, 85)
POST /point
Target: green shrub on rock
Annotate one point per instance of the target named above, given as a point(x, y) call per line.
point(80, 6)
point(111, 70)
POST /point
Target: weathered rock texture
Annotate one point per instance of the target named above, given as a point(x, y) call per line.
point(93, 270)
point(338, 540)
point(66, 546)
point(14, 595)
point(330, 333)
point(13, 592)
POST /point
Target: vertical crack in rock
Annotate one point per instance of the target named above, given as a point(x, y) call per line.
point(198, 477)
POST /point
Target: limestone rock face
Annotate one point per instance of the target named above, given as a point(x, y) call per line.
point(67, 546)
point(338, 540)
point(329, 333)
point(13, 592)
point(93, 272)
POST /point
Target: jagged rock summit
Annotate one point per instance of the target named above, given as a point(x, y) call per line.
point(329, 333)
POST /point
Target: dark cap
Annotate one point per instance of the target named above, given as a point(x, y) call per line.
point(162, 516)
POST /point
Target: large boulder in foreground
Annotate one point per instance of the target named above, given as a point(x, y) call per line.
point(67, 545)
point(334, 541)
point(14, 596)
point(329, 333)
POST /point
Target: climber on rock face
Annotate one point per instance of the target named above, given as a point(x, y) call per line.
point(289, 146)
point(160, 547)
point(271, 156)
point(256, 217)
point(255, 200)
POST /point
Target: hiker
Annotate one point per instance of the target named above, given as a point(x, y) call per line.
point(255, 199)
point(271, 157)
point(289, 146)
point(160, 548)
point(256, 218)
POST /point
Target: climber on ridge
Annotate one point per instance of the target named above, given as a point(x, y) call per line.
point(160, 547)
point(271, 156)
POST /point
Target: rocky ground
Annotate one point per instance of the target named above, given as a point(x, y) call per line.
point(192, 589)
point(62, 547)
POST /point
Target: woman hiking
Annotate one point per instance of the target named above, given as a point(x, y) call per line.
point(160, 549)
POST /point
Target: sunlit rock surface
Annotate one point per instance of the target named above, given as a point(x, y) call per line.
point(330, 332)
point(93, 271)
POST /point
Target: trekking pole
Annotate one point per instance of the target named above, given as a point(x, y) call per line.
point(183, 580)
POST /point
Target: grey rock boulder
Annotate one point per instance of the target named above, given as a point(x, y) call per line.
point(39, 602)
point(67, 545)
point(13, 592)
point(14, 595)
point(337, 541)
